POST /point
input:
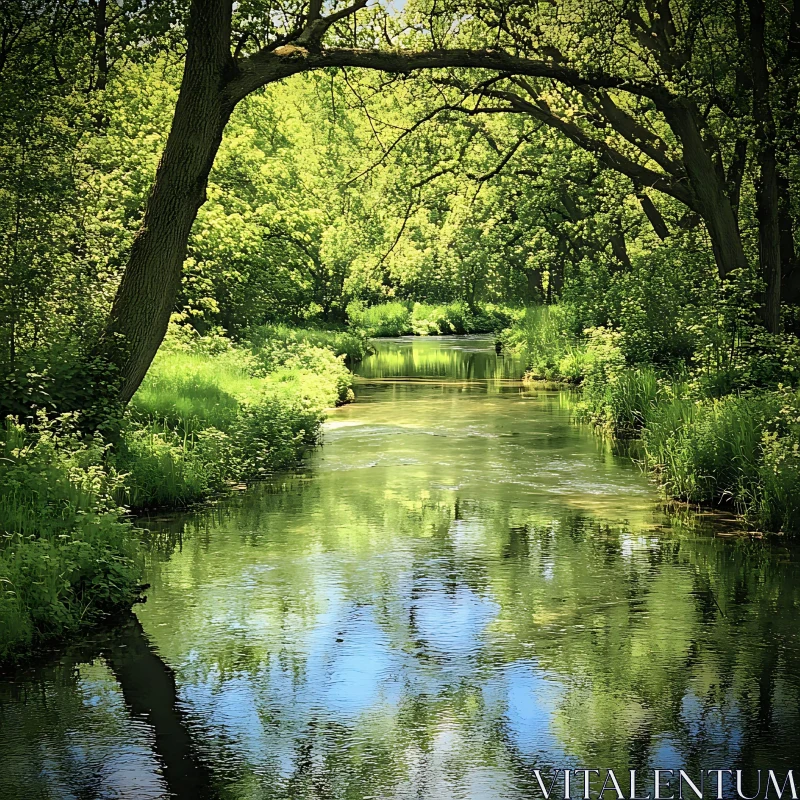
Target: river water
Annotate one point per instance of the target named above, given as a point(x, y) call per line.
point(462, 586)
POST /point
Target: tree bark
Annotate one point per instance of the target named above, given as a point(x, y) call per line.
point(707, 186)
point(619, 249)
point(144, 301)
point(767, 183)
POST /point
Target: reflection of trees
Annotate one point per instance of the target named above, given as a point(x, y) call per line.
point(428, 358)
point(148, 686)
point(653, 637)
point(54, 719)
point(630, 641)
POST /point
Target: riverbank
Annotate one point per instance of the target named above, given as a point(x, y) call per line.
point(725, 437)
point(425, 319)
point(210, 414)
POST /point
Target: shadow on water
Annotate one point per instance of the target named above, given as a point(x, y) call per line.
point(147, 687)
point(461, 587)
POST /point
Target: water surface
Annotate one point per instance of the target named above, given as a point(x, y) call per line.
point(462, 586)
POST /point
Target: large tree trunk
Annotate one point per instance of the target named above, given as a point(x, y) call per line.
point(709, 191)
point(767, 183)
point(144, 301)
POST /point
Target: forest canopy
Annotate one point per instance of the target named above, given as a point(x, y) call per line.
point(243, 163)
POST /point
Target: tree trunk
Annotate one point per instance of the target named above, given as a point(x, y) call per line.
point(144, 301)
point(767, 184)
point(708, 188)
point(619, 248)
point(533, 279)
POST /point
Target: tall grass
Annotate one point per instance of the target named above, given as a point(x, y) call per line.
point(352, 344)
point(387, 319)
point(738, 450)
point(741, 451)
point(541, 335)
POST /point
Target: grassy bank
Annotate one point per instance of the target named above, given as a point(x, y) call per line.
point(67, 558)
point(209, 413)
point(740, 449)
point(422, 319)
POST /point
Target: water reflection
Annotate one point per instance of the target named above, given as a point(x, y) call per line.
point(462, 587)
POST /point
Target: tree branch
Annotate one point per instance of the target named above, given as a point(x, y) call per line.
point(270, 65)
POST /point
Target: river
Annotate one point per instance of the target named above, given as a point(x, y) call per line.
point(461, 586)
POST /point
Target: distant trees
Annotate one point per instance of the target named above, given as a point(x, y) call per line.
point(693, 104)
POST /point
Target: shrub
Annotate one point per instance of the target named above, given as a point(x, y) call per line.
point(210, 412)
point(352, 344)
point(424, 319)
point(387, 319)
point(67, 558)
point(542, 336)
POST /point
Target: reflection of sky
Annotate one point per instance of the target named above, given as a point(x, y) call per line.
point(450, 621)
point(102, 752)
point(528, 699)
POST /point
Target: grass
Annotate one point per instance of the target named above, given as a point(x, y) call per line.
point(551, 353)
point(424, 319)
point(67, 557)
point(208, 413)
point(736, 450)
point(352, 344)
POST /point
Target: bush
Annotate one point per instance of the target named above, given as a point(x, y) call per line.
point(387, 319)
point(67, 557)
point(423, 319)
point(209, 413)
point(352, 344)
point(541, 335)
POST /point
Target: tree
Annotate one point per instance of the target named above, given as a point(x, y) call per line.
point(219, 72)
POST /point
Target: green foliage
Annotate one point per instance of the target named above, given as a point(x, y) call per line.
point(211, 412)
point(387, 319)
point(542, 336)
point(67, 558)
point(741, 450)
point(737, 449)
point(352, 344)
point(423, 319)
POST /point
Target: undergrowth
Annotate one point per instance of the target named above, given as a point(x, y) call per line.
point(67, 556)
point(423, 319)
point(703, 442)
point(208, 414)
